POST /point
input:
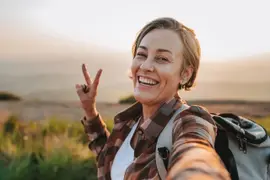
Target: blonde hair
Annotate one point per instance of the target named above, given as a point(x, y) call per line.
point(191, 49)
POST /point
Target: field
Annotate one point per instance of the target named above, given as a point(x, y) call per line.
point(45, 140)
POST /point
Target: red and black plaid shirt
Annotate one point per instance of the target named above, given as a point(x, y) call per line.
point(192, 154)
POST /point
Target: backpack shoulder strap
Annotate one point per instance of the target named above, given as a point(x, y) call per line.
point(165, 140)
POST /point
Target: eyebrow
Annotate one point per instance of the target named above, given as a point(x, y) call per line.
point(158, 50)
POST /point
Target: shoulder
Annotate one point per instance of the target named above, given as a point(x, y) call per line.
point(195, 112)
point(195, 121)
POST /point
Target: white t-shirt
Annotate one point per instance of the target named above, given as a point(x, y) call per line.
point(123, 158)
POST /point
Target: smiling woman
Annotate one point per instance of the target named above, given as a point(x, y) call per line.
point(166, 56)
point(160, 51)
point(156, 67)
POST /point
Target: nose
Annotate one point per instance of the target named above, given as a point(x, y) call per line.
point(147, 65)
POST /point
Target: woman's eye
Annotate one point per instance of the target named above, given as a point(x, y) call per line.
point(141, 55)
point(161, 59)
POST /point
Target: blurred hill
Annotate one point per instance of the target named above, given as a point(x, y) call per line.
point(248, 69)
point(37, 66)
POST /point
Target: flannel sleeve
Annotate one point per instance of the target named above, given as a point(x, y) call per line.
point(193, 155)
point(97, 133)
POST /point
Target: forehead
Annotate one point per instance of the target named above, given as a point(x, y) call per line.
point(162, 39)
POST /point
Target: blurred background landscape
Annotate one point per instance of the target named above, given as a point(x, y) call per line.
point(44, 43)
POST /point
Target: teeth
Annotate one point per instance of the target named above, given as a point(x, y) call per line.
point(147, 81)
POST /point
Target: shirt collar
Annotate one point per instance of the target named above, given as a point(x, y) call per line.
point(131, 112)
point(152, 126)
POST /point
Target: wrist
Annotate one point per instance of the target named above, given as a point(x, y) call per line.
point(91, 115)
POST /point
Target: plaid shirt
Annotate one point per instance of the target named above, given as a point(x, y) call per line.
point(192, 154)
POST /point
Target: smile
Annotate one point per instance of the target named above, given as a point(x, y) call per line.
point(147, 81)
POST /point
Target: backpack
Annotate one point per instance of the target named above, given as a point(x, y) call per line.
point(242, 144)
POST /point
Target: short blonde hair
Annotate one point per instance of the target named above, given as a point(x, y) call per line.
point(191, 49)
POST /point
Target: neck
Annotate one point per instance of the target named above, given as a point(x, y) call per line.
point(150, 109)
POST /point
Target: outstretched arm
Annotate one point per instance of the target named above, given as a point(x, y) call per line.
point(193, 155)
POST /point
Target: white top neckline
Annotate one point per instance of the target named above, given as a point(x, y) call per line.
point(123, 157)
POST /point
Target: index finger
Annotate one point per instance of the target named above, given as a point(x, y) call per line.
point(86, 75)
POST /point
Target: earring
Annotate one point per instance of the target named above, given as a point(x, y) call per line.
point(182, 84)
point(184, 81)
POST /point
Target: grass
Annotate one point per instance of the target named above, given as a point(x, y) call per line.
point(54, 149)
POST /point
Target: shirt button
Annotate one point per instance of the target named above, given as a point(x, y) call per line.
point(140, 132)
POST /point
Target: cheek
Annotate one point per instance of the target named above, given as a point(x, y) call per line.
point(134, 67)
point(167, 73)
point(169, 76)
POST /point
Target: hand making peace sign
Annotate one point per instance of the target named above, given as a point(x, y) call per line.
point(88, 92)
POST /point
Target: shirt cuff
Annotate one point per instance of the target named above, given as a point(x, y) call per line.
point(94, 127)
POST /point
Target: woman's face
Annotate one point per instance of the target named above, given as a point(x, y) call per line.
point(156, 67)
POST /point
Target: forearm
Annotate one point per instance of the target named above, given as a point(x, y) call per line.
point(196, 160)
point(97, 133)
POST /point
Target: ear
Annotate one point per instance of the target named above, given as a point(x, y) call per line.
point(186, 75)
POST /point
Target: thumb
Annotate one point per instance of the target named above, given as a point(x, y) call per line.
point(79, 90)
point(77, 87)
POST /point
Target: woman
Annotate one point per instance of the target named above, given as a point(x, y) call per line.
point(166, 57)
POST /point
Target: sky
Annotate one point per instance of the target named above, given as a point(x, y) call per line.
point(227, 28)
